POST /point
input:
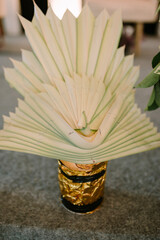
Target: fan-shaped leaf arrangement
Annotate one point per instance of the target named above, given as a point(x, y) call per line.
point(78, 92)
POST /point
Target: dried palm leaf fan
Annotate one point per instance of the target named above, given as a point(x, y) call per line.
point(78, 102)
point(78, 92)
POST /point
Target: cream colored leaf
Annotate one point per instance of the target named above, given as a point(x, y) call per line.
point(109, 44)
point(85, 24)
point(40, 49)
point(35, 66)
point(96, 41)
point(28, 76)
point(52, 43)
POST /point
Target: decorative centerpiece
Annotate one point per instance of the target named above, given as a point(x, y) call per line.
point(78, 105)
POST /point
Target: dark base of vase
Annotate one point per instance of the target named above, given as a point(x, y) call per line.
point(89, 208)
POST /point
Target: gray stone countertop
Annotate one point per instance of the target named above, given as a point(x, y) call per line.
point(30, 206)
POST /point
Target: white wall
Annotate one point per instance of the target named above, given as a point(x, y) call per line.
point(11, 22)
point(60, 6)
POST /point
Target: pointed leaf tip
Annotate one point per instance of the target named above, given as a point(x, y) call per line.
point(50, 12)
point(24, 22)
point(21, 18)
point(67, 14)
point(103, 14)
point(86, 10)
point(37, 10)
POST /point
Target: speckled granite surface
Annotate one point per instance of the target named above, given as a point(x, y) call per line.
point(30, 207)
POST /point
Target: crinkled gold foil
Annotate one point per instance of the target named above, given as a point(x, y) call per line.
point(82, 193)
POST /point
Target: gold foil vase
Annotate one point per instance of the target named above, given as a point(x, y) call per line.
point(82, 191)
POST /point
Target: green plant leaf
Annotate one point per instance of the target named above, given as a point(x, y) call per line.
point(158, 9)
point(157, 93)
point(157, 71)
point(152, 107)
point(149, 80)
point(156, 60)
point(152, 98)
